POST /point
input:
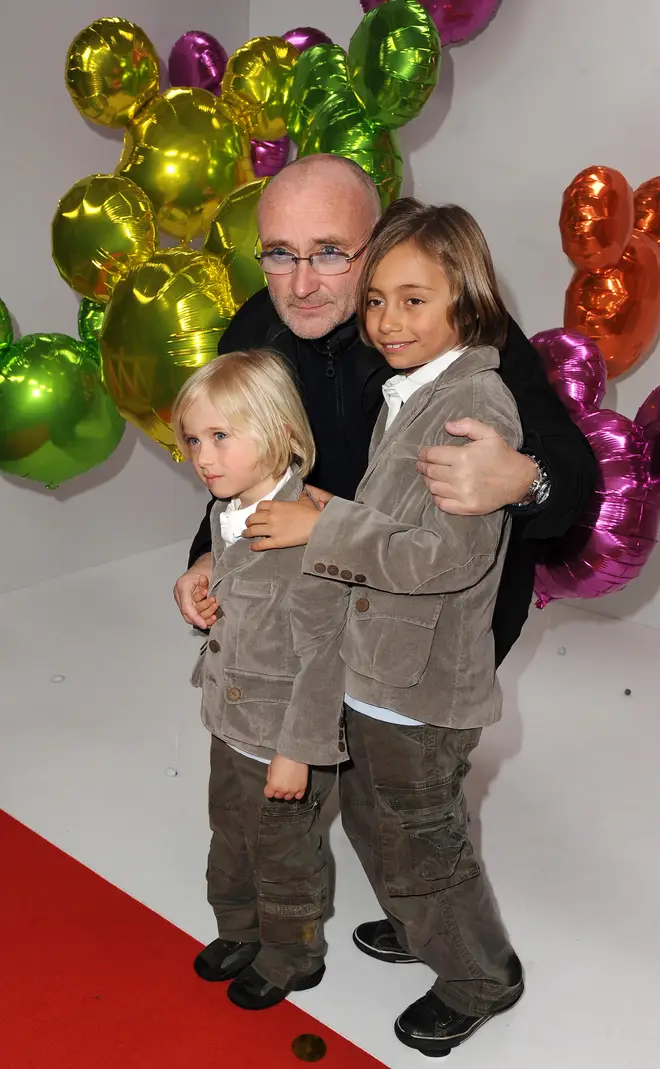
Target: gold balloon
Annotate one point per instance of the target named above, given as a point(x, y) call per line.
point(233, 236)
point(164, 321)
point(103, 227)
point(256, 86)
point(111, 71)
point(185, 151)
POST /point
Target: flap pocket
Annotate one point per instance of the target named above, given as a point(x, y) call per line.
point(389, 637)
point(254, 706)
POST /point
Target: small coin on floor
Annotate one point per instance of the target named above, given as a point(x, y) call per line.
point(309, 1048)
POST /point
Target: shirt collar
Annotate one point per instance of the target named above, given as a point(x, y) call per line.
point(232, 520)
point(407, 385)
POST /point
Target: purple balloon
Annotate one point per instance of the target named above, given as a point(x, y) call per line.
point(197, 59)
point(306, 37)
point(614, 538)
point(648, 418)
point(269, 157)
point(575, 366)
point(457, 20)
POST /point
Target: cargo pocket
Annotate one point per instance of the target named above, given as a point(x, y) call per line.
point(292, 874)
point(423, 837)
point(254, 706)
point(389, 637)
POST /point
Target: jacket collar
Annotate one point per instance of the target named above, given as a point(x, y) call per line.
point(239, 555)
point(472, 362)
point(342, 337)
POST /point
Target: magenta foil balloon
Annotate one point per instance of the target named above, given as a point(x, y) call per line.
point(618, 531)
point(457, 20)
point(306, 37)
point(269, 157)
point(648, 418)
point(197, 60)
point(575, 366)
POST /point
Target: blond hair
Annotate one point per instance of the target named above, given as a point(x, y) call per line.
point(453, 238)
point(257, 396)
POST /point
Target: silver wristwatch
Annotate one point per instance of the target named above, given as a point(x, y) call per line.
point(539, 491)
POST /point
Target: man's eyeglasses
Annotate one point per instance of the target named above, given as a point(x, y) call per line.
point(281, 262)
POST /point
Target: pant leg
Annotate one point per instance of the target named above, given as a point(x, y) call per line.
point(420, 860)
point(230, 882)
point(290, 866)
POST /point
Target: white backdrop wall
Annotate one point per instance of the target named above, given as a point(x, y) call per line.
point(139, 499)
point(547, 89)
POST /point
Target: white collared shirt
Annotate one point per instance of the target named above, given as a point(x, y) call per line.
point(400, 388)
point(232, 520)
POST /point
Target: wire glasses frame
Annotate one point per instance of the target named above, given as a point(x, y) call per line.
point(334, 263)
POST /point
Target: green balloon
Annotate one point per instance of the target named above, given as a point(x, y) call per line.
point(319, 75)
point(233, 237)
point(341, 129)
point(394, 62)
point(90, 321)
point(56, 418)
point(6, 331)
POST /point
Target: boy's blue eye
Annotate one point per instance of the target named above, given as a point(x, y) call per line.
point(219, 435)
point(192, 441)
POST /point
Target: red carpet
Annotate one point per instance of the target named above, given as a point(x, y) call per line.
point(91, 979)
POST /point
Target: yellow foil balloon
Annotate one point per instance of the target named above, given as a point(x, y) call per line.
point(256, 86)
point(186, 153)
point(164, 321)
point(111, 71)
point(103, 227)
point(233, 236)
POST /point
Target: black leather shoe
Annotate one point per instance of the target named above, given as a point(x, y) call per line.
point(251, 992)
point(378, 940)
point(434, 1029)
point(222, 960)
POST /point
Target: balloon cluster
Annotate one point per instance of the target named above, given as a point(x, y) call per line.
point(614, 538)
point(612, 236)
point(456, 20)
point(56, 418)
point(195, 161)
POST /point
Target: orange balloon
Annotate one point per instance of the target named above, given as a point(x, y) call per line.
point(619, 307)
point(647, 208)
point(597, 217)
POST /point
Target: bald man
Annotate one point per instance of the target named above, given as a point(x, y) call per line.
point(315, 219)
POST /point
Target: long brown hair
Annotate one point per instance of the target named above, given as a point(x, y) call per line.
point(453, 238)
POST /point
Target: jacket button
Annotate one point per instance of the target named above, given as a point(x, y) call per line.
point(333, 569)
point(347, 575)
point(234, 694)
point(214, 646)
point(219, 612)
point(342, 747)
point(362, 605)
point(360, 578)
point(320, 568)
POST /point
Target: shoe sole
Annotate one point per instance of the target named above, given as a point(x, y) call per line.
point(430, 1050)
point(389, 956)
point(303, 984)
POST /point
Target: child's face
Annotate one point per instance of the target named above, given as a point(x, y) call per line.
point(224, 459)
point(408, 302)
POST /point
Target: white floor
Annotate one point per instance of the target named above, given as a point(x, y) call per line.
point(564, 796)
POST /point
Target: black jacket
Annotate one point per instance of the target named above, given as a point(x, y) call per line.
point(340, 380)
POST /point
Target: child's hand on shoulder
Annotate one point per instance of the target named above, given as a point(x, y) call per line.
point(286, 779)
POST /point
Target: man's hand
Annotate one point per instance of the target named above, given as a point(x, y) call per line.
point(278, 524)
point(286, 779)
point(478, 478)
point(191, 594)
